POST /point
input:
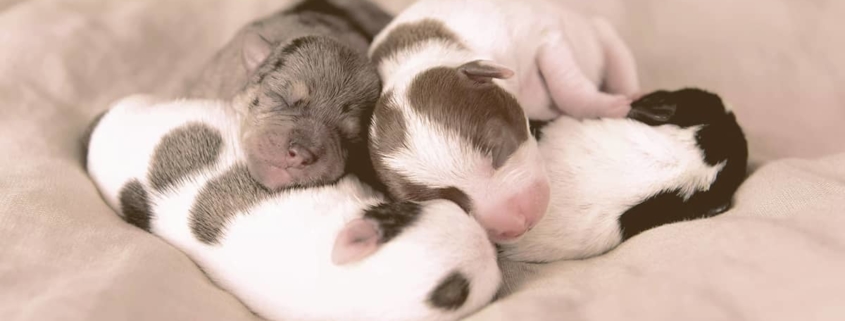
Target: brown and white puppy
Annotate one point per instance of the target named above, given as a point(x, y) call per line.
point(304, 89)
point(459, 78)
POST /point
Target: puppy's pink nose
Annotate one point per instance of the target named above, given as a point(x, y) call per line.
point(298, 156)
point(507, 221)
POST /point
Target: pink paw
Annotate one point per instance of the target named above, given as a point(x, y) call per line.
point(619, 108)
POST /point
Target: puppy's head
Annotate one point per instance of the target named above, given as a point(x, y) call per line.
point(451, 132)
point(306, 104)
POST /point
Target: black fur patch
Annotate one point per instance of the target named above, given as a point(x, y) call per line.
point(684, 108)
point(451, 293)
point(663, 208)
point(392, 218)
point(220, 199)
point(723, 140)
point(135, 204)
point(720, 139)
point(184, 151)
point(278, 64)
point(296, 44)
point(536, 128)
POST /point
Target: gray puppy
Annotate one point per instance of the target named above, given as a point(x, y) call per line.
point(304, 88)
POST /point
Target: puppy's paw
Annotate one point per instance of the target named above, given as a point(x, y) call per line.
point(617, 107)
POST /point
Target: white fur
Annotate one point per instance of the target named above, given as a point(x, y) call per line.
point(513, 34)
point(276, 256)
point(598, 169)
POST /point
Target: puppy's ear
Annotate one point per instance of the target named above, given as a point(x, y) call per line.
point(485, 70)
point(254, 50)
point(358, 239)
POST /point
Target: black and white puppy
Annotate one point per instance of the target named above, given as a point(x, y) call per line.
point(681, 155)
point(306, 90)
point(331, 252)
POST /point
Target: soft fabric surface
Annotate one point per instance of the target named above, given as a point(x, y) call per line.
point(778, 255)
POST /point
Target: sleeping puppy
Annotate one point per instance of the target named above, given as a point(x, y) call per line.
point(302, 82)
point(459, 78)
point(331, 252)
point(550, 59)
point(681, 155)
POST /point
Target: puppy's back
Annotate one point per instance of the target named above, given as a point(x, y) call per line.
point(123, 144)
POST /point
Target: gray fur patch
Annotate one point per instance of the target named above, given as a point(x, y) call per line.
point(182, 152)
point(316, 78)
point(451, 293)
point(352, 23)
point(135, 204)
point(408, 35)
point(220, 199)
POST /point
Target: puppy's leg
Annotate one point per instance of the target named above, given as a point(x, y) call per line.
point(620, 69)
point(571, 90)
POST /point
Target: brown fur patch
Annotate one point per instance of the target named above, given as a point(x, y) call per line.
point(481, 112)
point(392, 132)
point(407, 35)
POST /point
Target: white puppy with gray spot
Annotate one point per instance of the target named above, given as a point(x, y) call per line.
point(334, 252)
point(680, 156)
point(459, 78)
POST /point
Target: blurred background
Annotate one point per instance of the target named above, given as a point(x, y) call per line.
point(64, 255)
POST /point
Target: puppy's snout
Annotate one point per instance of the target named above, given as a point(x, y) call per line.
point(507, 221)
point(306, 153)
point(299, 156)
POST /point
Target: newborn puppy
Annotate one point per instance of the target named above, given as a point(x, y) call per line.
point(303, 87)
point(459, 78)
point(332, 252)
point(550, 59)
point(681, 155)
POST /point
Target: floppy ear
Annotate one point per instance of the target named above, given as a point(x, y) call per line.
point(357, 240)
point(485, 70)
point(254, 50)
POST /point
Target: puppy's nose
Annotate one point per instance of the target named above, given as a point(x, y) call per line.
point(299, 156)
point(507, 221)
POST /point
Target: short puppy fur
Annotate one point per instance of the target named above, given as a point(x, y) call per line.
point(304, 88)
point(462, 78)
point(338, 251)
point(680, 155)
